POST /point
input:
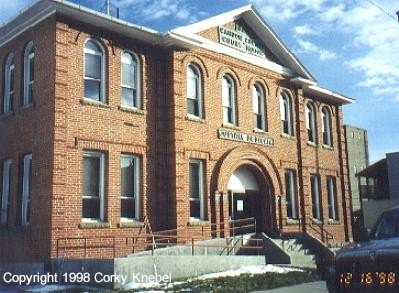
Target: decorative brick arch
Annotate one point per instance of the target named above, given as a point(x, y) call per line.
point(247, 155)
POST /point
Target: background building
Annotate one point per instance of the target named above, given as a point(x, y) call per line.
point(379, 187)
point(110, 131)
point(358, 159)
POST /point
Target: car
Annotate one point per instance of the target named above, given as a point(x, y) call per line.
point(372, 264)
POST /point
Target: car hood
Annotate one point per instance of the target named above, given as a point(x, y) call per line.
point(383, 246)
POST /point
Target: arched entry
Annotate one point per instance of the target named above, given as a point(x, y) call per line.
point(249, 197)
point(251, 168)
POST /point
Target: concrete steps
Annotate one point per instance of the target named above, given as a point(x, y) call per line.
point(300, 252)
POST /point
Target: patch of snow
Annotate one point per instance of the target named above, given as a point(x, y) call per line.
point(251, 270)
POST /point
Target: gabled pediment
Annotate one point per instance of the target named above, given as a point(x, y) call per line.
point(244, 31)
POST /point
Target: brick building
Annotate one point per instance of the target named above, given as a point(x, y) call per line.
point(108, 128)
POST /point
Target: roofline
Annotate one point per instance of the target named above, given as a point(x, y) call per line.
point(67, 8)
point(311, 87)
point(213, 20)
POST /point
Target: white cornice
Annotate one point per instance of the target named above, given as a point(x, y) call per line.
point(198, 41)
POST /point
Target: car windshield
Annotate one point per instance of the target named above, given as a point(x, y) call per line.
point(387, 226)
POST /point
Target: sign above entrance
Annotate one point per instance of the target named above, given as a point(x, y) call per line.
point(249, 138)
point(239, 39)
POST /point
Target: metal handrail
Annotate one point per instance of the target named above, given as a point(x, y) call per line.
point(158, 239)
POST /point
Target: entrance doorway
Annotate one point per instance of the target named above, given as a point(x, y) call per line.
point(249, 198)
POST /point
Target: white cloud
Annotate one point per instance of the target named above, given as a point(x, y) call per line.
point(158, 10)
point(305, 30)
point(310, 48)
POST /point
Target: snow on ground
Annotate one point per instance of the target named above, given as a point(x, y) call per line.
point(251, 270)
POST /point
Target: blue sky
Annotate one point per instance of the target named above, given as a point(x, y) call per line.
point(351, 47)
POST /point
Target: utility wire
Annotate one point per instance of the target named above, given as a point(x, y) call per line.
point(382, 9)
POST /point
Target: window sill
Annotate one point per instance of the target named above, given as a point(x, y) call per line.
point(230, 126)
point(131, 110)
point(89, 102)
point(288, 136)
point(197, 223)
point(312, 144)
point(327, 147)
point(130, 224)
point(260, 131)
point(26, 107)
point(292, 222)
point(94, 225)
point(317, 221)
point(334, 222)
point(194, 118)
point(6, 115)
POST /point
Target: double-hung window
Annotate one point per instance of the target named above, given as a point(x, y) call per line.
point(311, 122)
point(196, 189)
point(93, 186)
point(8, 84)
point(130, 195)
point(194, 91)
point(316, 197)
point(286, 114)
point(5, 192)
point(290, 194)
point(130, 80)
point(332, 198)
point(94, 71)
point(29, 71)
point(326, 127)
point(258, 104)
point(228, 101)
point(26, 189)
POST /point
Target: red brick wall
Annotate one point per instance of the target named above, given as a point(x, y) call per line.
point(30, 130)
point(60, 126)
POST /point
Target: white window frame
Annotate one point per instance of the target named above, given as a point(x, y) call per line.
point(326, 127)
point(26, 189)
point(194, 75)
point(137, 78)
point(201, 198)
point(291, 194)
point(102, 79)
point(101, 181)
point(229, 100)
point(5, 198)
point(310, 118)
point(332, 198)
point(316, 196)
point(29, 54)
point(9, 76)
point(258, 106)
point(136, 184)
point(286, 114)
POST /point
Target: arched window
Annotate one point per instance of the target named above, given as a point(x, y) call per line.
point(311, 122)
point(286, 114)
point(326, 126)
point(194, 91)
point(9, 69)
point(228, 100)
point(258, 104)
point(94, 75)
point(130, 80)
point(29, 70)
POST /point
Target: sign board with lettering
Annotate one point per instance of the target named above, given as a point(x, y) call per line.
point(243, 137)
point(241, 40)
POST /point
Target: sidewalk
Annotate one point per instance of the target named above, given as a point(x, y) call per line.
point(314, 287)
